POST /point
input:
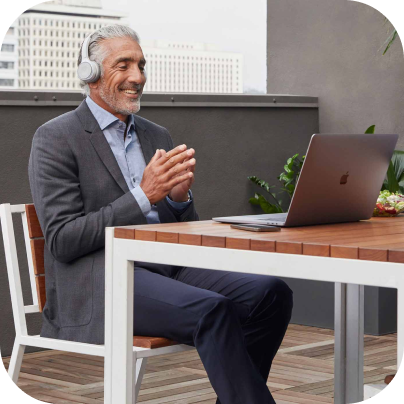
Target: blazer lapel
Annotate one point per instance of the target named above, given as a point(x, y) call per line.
point(104, 151)
point(101, 145)
point(145, 143)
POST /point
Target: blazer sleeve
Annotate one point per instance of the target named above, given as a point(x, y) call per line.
point(167, 213)
point(55, 186)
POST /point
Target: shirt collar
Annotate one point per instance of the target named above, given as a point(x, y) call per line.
point(105, 118)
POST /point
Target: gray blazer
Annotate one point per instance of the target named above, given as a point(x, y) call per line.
point(78, 190)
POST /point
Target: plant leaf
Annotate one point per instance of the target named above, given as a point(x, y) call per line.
point(261, 183)
point(391, 183)
point(398, 166)
point(254, 201)
point(393, 37)
point(266, 206)
point(371, 129)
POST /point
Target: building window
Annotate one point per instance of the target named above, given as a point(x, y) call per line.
point(6, 65)
point(7, 82)
point(7, 47)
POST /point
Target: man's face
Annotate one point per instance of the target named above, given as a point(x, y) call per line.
point(121, 86)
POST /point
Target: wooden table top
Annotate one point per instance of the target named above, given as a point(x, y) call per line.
point(377, 239)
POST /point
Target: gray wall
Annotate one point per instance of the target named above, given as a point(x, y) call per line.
point(333, 49)
point(234, 136)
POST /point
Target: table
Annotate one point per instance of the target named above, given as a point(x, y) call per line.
point(349, 254)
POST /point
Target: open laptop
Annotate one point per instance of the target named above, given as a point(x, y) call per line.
point(339, 182)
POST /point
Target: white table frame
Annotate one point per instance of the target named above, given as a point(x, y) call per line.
point(349, 276)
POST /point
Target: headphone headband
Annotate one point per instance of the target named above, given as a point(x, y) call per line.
point(84, 48)
point(88, 70)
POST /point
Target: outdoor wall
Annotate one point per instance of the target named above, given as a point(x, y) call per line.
point(333, 49)
point(234, 136)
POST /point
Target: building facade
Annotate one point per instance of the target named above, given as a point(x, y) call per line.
point(50, 36)
point(9, 60)
point(191, 68)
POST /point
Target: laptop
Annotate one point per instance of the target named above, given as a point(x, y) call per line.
point(339, 182)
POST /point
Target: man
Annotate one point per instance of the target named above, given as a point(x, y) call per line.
point(100, 166)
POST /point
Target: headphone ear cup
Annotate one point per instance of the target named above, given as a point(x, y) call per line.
point(96, 72)
point(88, 71)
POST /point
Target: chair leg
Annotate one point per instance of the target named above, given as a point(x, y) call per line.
point(16, 361)
point(139, 368)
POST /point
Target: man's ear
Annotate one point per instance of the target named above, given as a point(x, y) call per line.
point(94, 85)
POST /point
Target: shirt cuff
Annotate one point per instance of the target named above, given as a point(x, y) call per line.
point(142, 200)
point(180, 206)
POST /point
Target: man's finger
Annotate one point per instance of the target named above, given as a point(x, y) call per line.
point(156, 156)
point(179, 158)
point(160, 153)
point(181, 178)
point(174, 152)
point(192, 167)
point(182, 168)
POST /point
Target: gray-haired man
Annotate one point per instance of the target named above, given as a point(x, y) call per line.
point(100, 166)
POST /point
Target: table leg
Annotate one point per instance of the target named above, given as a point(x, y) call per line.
point(400, 324)
point(118, 377)
point(349, 343)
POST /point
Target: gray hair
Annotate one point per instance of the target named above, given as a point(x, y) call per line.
point(97, 53)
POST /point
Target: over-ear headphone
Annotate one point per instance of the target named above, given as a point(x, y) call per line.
point(88, 70)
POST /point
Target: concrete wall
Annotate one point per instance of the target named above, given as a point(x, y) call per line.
point(234, 136)
point(332, 49)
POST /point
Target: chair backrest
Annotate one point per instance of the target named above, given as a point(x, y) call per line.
point(34, 246)
point(37, 246)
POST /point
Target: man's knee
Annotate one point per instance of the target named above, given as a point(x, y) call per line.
point(275, 293)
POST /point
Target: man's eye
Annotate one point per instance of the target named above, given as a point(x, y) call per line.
point(141, 68)
point(122, 67)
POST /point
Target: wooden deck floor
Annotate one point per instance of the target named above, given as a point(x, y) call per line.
point(302, 372)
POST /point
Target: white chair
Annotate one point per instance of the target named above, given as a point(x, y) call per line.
point(143, 348)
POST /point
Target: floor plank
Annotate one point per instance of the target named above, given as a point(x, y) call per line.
point(302, 372)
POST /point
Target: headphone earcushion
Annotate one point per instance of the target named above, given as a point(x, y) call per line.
point(88, 71)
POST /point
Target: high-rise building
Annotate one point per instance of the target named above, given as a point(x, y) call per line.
point(50, 36)
point(9, 60)
point(191, 67)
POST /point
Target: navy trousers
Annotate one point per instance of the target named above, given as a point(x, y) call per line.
point(236, 321)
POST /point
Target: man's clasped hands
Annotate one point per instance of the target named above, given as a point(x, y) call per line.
point(169, 173)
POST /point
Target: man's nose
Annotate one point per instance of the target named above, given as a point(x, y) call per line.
point(136, 76)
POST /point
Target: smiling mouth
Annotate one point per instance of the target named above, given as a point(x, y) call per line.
point(131, 92)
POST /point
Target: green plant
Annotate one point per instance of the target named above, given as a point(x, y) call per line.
point(391, 38)
point(390, 41)
point(288, 180)
point(394, 181)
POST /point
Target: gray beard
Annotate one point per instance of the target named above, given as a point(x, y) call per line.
point(119, 106)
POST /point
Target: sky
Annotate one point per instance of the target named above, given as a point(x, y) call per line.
point(229, 24)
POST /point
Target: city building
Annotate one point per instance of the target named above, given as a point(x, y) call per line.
point(191, 68)
point(9, 60)
point(50, 36)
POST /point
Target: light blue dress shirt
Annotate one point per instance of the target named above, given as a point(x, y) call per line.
point(130, 159)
